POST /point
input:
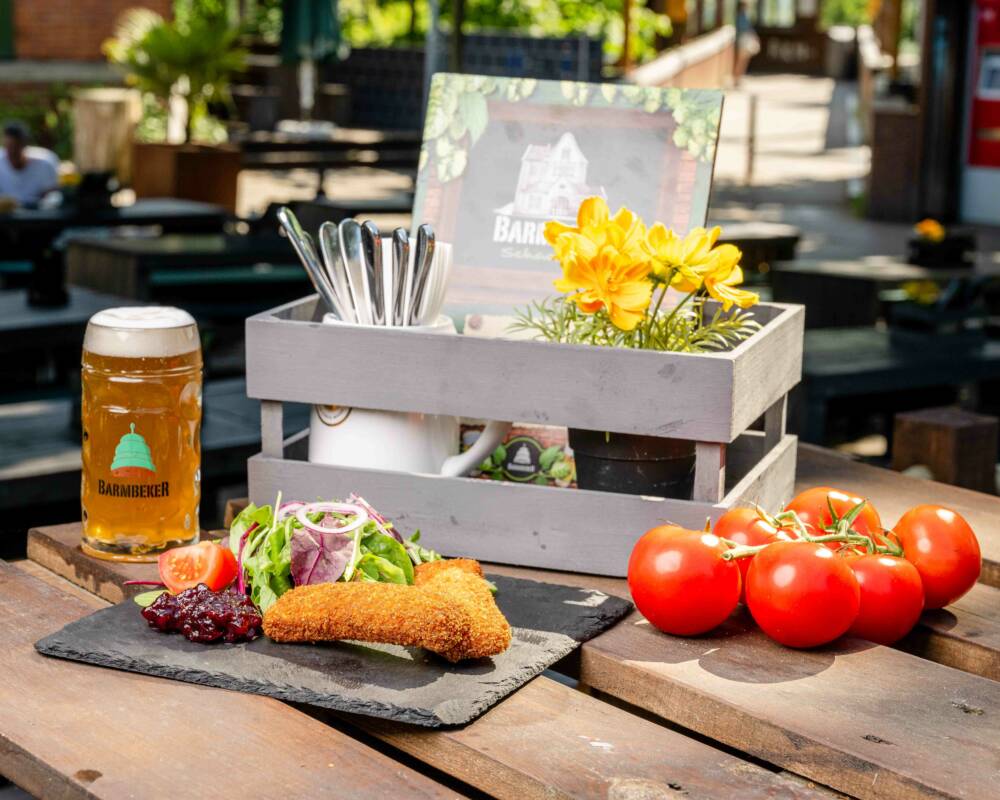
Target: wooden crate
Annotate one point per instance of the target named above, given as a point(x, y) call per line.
point(712, 399)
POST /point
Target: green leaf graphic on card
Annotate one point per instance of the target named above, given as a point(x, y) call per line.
point(474, 113)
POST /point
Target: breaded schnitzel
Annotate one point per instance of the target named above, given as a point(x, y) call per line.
point(450, 611)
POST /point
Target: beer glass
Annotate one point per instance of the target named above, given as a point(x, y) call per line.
point(141, 419)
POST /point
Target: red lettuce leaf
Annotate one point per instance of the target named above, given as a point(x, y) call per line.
point(319, 557)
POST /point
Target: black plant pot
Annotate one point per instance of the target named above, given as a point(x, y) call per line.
point(633, 464)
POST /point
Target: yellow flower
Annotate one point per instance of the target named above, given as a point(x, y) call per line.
point(722, 276)
point(685, 257)
point(609, 279)
point(595, 227)
point(929, 229)
point(923, 292)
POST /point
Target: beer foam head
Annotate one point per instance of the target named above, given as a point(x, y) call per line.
point(141, 332)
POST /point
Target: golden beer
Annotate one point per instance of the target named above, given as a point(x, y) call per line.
point(141, 419)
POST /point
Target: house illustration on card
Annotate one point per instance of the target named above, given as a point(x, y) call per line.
point(552, 182)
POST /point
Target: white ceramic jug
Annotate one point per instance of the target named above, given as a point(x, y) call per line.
point(397, 440)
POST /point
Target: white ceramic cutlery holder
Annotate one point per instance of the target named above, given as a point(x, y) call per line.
point(397, 440)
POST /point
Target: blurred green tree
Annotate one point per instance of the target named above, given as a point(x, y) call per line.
point(387, 23)
point(188, 59)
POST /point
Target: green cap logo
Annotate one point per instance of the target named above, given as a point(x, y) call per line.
point(132, 456)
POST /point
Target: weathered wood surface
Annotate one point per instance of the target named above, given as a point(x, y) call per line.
point(550, 735)
point(71, 730)
point(965, 635)
point(546, 740)
point(892, 494)
point(539, 526)
point(867, 720)
point(711, 397)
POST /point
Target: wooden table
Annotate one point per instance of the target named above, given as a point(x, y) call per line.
point(31, 234)
point(852, 362)
point(21, 324)
point(264, 265)
point(846, 293)
point(634, 715)
point(40, 346)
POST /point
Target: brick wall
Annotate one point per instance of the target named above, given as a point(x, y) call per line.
point(69, 29)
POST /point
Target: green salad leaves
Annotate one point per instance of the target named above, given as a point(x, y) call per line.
point(306, 543)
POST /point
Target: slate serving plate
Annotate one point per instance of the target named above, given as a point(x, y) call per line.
point(403, 684)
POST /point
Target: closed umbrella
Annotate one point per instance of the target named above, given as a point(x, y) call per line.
point(310, 33)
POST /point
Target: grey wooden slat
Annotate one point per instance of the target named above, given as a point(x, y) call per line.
point(774, 422)
point(629, 391)
point(709, 472)
point(766, 366)
point(271, 427)
point(770, 482)
point(536, 526)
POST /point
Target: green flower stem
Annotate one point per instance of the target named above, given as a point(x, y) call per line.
point(651, 318)
point(673, 313)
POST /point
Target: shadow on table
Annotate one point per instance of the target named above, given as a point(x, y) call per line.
point(738, 651)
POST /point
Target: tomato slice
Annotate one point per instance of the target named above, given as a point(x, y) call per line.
point(206, 563)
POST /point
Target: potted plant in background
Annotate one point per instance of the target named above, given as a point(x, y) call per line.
point(182, 65)
point(617, 275)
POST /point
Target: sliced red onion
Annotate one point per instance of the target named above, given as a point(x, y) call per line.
point(360, 516)
point(288, 508)
point(380, 522)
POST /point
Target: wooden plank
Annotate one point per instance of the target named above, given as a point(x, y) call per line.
point(550, 527)
point(577, 746)
point(538, 526)
point(38, 572)
point(768, 483)
point(766, 366)
point(499, 378)
point(870, 721)
point(892, 494)
point(72, 730)
point(774, 422)
point(271, 428)
point(545, 741)
point(965, 635)
point(709, 472)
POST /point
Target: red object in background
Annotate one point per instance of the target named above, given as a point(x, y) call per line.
point(984, 130)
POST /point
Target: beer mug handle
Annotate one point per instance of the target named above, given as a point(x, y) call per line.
point(463, 463)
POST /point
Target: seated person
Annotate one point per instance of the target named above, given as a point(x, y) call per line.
point(25, 177)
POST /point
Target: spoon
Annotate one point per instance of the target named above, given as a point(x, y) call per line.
point(372, 247)
point(306, 251)
point(330, 245)
point(401, 275)
point(352, 257)
point(422, 262)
